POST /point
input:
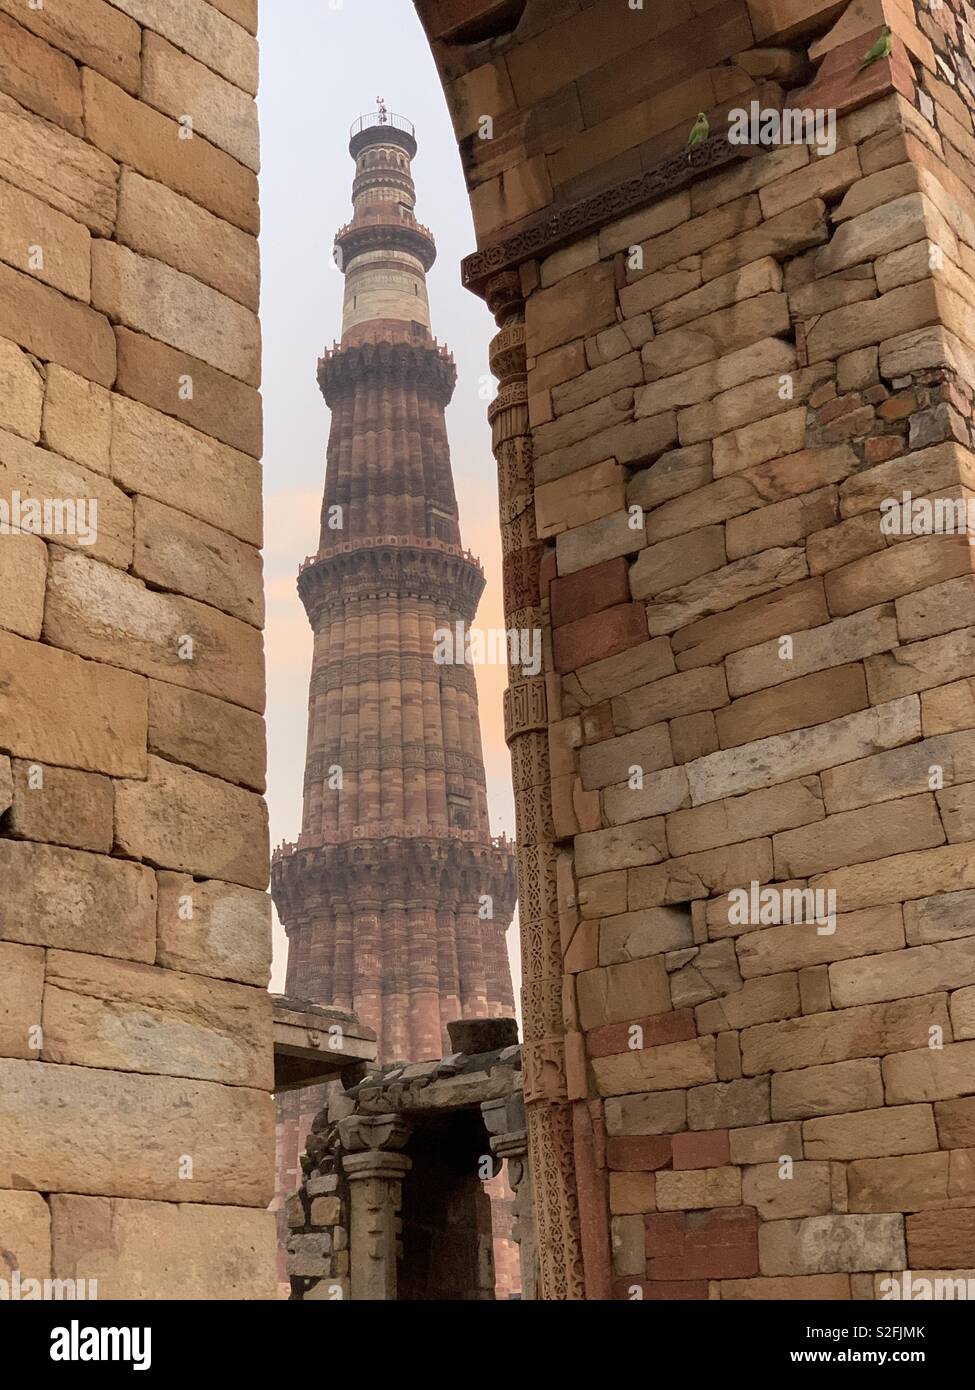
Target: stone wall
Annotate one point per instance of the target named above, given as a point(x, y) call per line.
point(714, 374)
point(136, 1122)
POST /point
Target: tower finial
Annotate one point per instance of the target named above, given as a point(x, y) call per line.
point(382, 110)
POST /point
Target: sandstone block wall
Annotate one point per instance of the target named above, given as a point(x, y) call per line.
point(136, 1121)
point(750, 680)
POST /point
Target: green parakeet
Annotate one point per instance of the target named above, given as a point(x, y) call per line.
point(881, 49)
point(700, 131)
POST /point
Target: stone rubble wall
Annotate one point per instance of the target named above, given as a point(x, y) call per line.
point(761, 1110)
point(136, 1120)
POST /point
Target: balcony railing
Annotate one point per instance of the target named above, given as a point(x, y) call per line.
point(376, 118)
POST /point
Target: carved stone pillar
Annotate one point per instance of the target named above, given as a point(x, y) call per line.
point(526, 730)
point(505, 1123)
point(375, 1172)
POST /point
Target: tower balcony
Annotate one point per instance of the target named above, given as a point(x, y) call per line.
point(385, 233)
point(382, 128)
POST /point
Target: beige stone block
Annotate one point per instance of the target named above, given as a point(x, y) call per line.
point(176, 552)
point(743, 405)
point(597, 541)
point(722, 332)
point(855, 837)
point(962, 1008)
point(809, 700)
point(207, 734)
point(921, 665)
point(693, 1189)
point(61, 806)
point(786, 234)
point(621, 846)
point(670, 1067)
point(6, 785)
point(36, 238)
point(859, 325)
point(137, 1130)
point(747, 175)
point(618, 993)
point(157, 222)
point(701, 383)
point(631, 1193)
point(913, 1182)
point(849, 286)
point(825, 1288)
point(201, 30)
point(661, 1112)
point(766, 1143)
point(214, 928)
point(674, 562)
point(77, 419)
point(105, 615)
point(122, 1016)
point(943, 917)
point(26, 1224)
point(178, 85)
point(620, 372)
point(611, 760)
point(893, 1129)
point(73, 506)
point(802, 752)
point(771, 438)
point(930, 1073)
point(687, 692)
point(591, 684)
point(167, 460)
point(661, 792)
point(944, 965)
point(738, 818)
point(661, 287)
point(782, 524)
point(799, 946)
point(180, 819)
point(92, 31)
point(832, 1244)
point(602, 894)
point(628, 441)
point(53, 165)
point(837, 545)
point(710, 229)
point(633, 935)
point(935, 610)
point(729, 1104)
point(950, 708)
point(736, 583)
point(760, 278)
point(700, 875)
point(580, 304)
point(817, 649)
point(820, 178)
point(153, 298)
point(778, 1191)
point(21, 992)
point(755, 1001)
point(791, 610)
point(79, 902)
point(649, 222)
point(58, 709)
point(673, 474)
point(23, 575)
point(21, 392)
point(900, 569)
point(826, 1090)
point(55, 328)
point(137, 135)
point(164, 1250)
point(580, 498)
point(900, 877)
point(870, 1030)
point(702, 973)
point(33, 72)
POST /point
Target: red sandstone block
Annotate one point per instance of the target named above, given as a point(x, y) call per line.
point(704, 1149)
point(839, 405)
point(840, 85)
point(660, 1289)
point(657, 1030)
point(638, 1153)
point(707, 1245)
point(598, 636)
point(548, 568)
point(883, 447)
point(590, 591)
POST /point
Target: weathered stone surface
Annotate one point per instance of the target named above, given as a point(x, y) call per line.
point(164, 1250)
point(664, 791)
point(55, 328)
point(893, 1129)
point(942, 917)
point(207, 734)
point(91, 31)
point(663, 1112)
point(177, 552)
point(62, 806)
point(76, 901)
point(790, 610)
point(180, 819)
point(696, 1188)
point(63, 171)
point(58, 709)
point(868, 1031)
point(700, 875)
point(809, 700)
point(77, 419)
point(765, 1143)
point(32, 72)
point(726, 588)
point(21, 991)
point(602, 764)
point(128, 1017)
point(760, 277)
point(854, 837)
point(21, 392)
point(709, 379)
point(941, 1240)
point(737, 818)
point(673, 562)
point(909, 1183)
point(153, 298)
point(829, 1244)
point(26, 221)
point(105, 615)
point(776, 1193)
point(25, 1220)
point(899, 974)
point(817, 649)
point(801, 752)
point(930, 1073)
point(580, 498)
point(673, 474)
point(23, 575)
point(176, 84)
point(136, 1131)
point(729, 1104)
point(670, 1067)
point(687, 692)
point(95, 516)
point(757, 1001)
point(799, 946)
point(826, 1090)
point(213, 928)
point(200, 29)
point(617, 993)
point(753, 444)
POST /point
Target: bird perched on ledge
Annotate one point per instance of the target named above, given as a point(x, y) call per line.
point(700, 131)
point(881, 49)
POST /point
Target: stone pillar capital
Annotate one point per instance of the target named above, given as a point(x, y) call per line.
point(375, 1163)
point(361, 1133)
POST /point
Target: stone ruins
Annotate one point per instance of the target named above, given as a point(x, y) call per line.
point(733, 431)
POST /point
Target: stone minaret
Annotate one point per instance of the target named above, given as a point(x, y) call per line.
point(396, 898)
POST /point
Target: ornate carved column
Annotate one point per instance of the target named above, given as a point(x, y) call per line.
point(505, 1123)
point(526, 730)
point(375, 1172)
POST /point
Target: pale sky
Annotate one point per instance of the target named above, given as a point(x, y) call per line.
point(323, 63)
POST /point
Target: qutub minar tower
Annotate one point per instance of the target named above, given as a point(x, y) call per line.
point(396, 898)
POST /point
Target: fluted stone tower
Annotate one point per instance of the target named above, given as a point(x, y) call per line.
point(396, 898)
